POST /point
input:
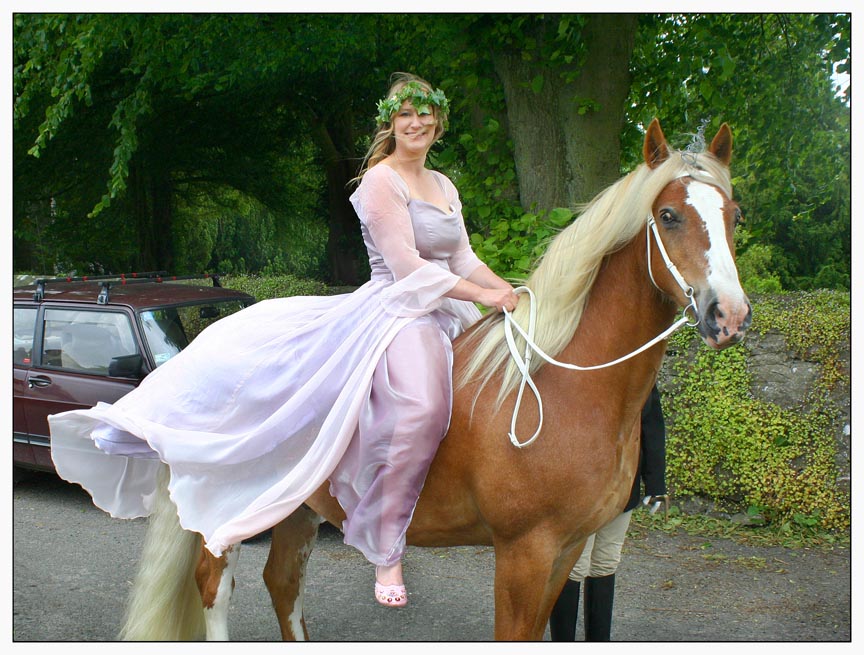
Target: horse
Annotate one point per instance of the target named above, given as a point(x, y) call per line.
point(657, 240)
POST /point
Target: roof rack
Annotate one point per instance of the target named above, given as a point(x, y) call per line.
point(105, 281)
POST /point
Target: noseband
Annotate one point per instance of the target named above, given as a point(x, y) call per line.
point(523, 362)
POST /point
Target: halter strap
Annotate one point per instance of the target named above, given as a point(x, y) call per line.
point(523, 362)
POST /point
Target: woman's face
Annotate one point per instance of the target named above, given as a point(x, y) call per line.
point(413, 132)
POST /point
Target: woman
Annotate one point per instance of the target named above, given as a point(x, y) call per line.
point(266, 405)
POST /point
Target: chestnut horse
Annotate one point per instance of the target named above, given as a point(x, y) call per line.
point(659, 239)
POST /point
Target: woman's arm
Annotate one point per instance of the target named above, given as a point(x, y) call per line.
point(500, 296)
point(484, 276)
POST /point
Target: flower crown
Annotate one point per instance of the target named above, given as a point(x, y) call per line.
point(419, 97)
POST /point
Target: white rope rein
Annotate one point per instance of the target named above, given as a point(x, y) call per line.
point(523, 362)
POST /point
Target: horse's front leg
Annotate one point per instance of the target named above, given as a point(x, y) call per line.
point(215, 578)
point(285, 572)
point(529, 574)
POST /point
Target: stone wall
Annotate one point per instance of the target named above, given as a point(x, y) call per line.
point(782, 377)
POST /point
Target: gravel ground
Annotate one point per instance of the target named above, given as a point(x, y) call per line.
point(73, 565)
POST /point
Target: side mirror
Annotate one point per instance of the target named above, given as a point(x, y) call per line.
point(126, 366)
point(208, 311)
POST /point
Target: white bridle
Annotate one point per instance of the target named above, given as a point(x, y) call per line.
point(523, 362)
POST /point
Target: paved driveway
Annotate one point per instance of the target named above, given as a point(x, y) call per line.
point(73, 566)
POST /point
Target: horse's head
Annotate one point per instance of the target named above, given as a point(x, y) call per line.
point(695, 220)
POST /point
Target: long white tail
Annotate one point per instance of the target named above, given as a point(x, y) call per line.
point(165, 604)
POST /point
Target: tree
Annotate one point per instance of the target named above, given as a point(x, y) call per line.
point(193, 100)
point(565, 79)
point(769, 76)
point(129, 118)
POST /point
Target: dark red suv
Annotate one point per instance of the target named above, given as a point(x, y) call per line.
point(78, 341)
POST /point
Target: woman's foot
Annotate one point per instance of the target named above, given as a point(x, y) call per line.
point(389, 587)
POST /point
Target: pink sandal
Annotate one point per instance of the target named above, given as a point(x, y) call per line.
point(390, 595)
point(393, 595)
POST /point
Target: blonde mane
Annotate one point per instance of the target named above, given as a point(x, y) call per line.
point(563, 277)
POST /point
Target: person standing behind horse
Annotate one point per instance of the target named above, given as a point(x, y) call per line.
point(272, 402)
point(597, 565)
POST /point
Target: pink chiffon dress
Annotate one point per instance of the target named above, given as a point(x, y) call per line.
point(268, 404)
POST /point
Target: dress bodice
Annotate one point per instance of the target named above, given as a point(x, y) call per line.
point(434, 235)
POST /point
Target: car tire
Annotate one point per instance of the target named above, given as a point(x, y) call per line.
point(20, 475)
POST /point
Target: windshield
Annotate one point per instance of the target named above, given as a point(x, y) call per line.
point(169, 330)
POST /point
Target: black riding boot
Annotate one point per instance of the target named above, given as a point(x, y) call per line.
point(562, 622)
point(598, 607)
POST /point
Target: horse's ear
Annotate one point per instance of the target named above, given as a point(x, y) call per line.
point(655, 150)
point(721, 145)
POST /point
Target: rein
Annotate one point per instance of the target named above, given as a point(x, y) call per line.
point(523, 362)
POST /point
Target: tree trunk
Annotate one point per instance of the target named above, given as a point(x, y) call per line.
point(346, 253)
point(161, 196)
point(137, 195)
point(564, 158)
point(151, 201)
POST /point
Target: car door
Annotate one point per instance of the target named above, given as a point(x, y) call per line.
point(23, 337)
point(71, 371)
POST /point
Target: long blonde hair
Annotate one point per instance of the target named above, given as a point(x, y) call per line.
point(563, 278)
point(383, 141)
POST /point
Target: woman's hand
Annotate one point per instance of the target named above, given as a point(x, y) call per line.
point(499, 299)
point(486, 288)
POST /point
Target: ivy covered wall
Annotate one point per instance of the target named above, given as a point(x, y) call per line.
point(764, 426)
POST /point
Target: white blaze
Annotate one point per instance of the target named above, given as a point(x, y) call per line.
point(722, 275)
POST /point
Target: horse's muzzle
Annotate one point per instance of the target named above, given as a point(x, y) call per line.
point(724, 323)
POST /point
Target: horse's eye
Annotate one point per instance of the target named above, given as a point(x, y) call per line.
point(668, 217)
point(739, 219)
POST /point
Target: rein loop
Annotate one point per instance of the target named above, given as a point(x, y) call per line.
point(523, 362)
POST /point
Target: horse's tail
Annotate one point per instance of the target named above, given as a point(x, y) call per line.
point(165, 604)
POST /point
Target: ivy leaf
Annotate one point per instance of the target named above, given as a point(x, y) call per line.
point(537, 84)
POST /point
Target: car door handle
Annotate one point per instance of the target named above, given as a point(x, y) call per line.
point(38, 381)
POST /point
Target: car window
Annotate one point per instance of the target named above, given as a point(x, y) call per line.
point(170, 329)
point(164, 333)
point(22, 338)
point(84, 340)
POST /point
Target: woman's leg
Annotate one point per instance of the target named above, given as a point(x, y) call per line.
point(400, 429)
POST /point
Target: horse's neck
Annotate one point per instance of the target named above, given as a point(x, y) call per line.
point(624, 312)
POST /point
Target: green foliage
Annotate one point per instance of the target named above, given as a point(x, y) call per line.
point(142, 105)
point(814, 323)
point(726, 444)
point(513, 247)
point(769, 77)
point(113, 110)
point(233, 233)
point(788, 534)
point(279, 286)
point(756, 265)
point(481, 165)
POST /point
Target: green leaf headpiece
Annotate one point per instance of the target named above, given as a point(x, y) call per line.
point(419, 97)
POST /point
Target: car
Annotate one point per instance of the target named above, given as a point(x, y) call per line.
point(80, 341)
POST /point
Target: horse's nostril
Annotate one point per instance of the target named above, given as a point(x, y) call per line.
point(713, 314)
point(748, 319)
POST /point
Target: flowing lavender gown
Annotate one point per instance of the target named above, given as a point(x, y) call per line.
point(269, 403)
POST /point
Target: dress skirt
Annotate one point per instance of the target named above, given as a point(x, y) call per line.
point(268, 404)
